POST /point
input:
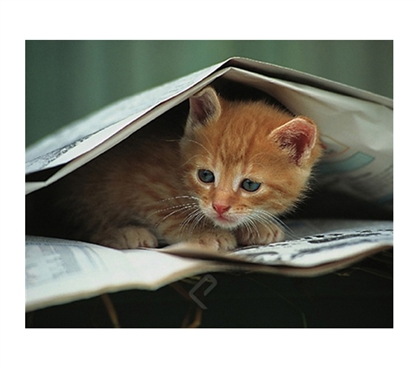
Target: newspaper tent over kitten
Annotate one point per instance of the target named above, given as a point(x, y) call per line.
point(356, 161)
point(350, 120)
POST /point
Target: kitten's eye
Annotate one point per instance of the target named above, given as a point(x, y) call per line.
point(250, 186)
point(206, 176)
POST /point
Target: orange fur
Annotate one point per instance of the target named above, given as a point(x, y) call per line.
point(148, 190)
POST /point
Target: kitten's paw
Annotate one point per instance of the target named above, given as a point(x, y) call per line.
point(129, 237)
point(220, 241)
point(261, 236)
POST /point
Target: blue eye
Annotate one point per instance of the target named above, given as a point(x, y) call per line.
point(250, 186)
point(206, 176)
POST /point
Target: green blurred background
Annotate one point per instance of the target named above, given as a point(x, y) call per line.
point(66, 80)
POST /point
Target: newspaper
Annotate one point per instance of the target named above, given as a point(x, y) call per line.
point(349, 120)
point(356, 131)
point(60, 271)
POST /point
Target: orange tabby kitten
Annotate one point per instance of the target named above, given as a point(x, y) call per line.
point(237, 166)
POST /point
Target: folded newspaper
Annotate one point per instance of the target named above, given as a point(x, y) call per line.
point(356, 130)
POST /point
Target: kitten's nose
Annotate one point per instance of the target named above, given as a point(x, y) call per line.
point(220, 208)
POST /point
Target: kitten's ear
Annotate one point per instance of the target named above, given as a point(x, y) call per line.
point(203, 106)
point(297, 137)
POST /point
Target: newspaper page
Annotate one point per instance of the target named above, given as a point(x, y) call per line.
point(313, 250)
point(59, 271)
point(338, 239)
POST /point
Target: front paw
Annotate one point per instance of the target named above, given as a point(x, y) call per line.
point(261, 235)
point(128, 237)
point(219, 241)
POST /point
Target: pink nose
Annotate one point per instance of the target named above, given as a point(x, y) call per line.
point(220, 208)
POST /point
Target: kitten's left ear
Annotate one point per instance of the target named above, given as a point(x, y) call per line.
point(203, 106)
point(297, 137)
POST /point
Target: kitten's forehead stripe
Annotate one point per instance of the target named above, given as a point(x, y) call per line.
point(236, 183)
point(228, 176)
point(217, 177)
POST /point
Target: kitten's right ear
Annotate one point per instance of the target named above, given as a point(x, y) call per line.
point(203, 106)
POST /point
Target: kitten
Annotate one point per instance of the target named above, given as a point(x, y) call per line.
point(237, 166)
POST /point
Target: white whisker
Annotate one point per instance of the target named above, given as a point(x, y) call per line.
point(192, 220)
point(167, 209)
point(178, 197)
point(251, 226)
point(271, 221)
point(177, 209)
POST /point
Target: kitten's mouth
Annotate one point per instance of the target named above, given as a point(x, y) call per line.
point(224, 221)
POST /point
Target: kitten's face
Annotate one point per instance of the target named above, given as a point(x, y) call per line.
point(241, 168)
point(235, 191)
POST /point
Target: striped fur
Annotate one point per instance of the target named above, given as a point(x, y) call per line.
point(147, 190)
